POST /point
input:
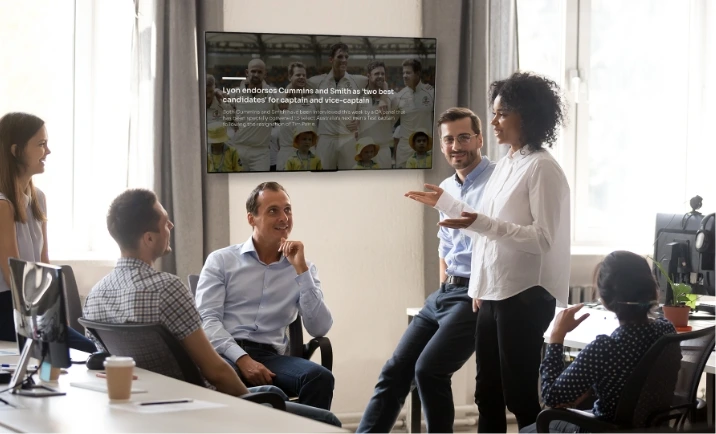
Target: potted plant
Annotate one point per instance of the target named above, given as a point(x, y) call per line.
point(677, 311)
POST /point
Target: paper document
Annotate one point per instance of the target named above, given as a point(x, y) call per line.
point(101, 386)
point(166, 408)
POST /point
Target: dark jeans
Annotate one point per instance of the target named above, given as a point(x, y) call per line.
point(7, 327)
point(311, 382)
point(508, 344)
point(559, 426)
point(437, 343)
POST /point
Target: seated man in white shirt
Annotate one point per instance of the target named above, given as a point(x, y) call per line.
point(249, 293)
point(134, 292)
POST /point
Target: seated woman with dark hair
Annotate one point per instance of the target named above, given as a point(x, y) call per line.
point(627, 288)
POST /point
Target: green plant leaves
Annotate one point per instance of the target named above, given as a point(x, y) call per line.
point(682, 291)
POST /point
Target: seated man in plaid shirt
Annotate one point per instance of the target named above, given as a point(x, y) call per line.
point(134, 292)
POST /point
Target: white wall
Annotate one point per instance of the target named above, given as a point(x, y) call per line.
point(364, 236)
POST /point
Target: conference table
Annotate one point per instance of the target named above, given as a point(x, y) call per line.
point(83, 410)
point(600, 322)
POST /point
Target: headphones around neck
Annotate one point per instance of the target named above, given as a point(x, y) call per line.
point(704, 237)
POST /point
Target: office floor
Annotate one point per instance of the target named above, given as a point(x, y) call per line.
point(472, 427)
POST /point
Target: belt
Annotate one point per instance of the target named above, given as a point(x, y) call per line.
point(250, 344)
point(457, 280)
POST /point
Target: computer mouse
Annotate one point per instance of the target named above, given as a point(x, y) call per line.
point(95, 361)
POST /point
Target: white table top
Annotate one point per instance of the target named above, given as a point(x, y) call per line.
point(87, 410)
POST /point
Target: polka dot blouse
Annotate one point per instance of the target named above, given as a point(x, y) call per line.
point(603, 366)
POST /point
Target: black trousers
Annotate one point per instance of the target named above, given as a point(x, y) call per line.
point(7, 322)
point(508, 345)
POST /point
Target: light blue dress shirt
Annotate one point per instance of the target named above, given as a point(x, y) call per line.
point(240, 297)
point(455, 245)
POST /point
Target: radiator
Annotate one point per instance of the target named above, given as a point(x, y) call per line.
point(582, 294)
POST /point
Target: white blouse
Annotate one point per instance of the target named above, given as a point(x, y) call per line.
point(522, 231)
point(29, 235)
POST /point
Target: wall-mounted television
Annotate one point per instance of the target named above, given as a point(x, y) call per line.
point(289, 102)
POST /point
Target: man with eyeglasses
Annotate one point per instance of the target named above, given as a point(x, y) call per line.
point(441, 337)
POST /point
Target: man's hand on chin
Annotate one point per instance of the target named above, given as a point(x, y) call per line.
point(294, 252)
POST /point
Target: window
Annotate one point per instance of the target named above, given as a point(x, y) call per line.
point(71, 63)
point(635, 75)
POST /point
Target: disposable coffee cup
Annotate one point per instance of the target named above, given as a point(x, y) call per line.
point(119, 377)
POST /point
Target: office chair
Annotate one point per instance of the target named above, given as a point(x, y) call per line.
point(72, 297)
point(296, 347)
point(696, 347)
point(649, 398)
point(155, 349)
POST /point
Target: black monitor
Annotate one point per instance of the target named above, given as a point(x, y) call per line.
point(39, 310)
point(674, 248)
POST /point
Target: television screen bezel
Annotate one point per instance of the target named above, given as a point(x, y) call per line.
point(203, 74)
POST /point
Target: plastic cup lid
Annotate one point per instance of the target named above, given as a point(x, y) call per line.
point(118, 362)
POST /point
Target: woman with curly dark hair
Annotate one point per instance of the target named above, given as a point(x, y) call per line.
point(521, 248)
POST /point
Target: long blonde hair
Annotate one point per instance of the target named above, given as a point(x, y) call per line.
point(17, 129)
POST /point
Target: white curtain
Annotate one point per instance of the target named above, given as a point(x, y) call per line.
point(167, 118)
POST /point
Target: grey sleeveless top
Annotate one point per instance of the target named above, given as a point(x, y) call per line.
point(29, 235)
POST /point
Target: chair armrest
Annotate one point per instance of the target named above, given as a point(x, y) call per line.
point(587, 421)
point(326, 351)
point(270, 398)
point(677, 413)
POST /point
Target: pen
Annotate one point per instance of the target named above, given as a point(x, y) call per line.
point(14, 366)
point(104, 375)
point(174, 401)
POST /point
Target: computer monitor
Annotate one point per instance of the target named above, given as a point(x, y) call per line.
point(674, 248)
point(39, 310)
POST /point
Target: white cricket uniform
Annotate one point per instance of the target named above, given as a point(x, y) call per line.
point(380, 128)
point(418, 107)
point(295, 115)
point(273, 147)
point(215, 112)
point(253, 141)
point(336, 143)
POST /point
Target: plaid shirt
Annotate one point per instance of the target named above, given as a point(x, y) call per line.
point(134, 292)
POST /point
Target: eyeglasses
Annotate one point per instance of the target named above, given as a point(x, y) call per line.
point(464, 139)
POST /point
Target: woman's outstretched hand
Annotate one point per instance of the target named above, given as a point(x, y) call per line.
point(466, 219)
point(429, 198)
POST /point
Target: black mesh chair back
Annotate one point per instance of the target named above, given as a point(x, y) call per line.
point(696, 347)
point(151, 346)
point(650, 387)
point(72, 297)
point(666, 376)
point(193, 281)
point(294, 332)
